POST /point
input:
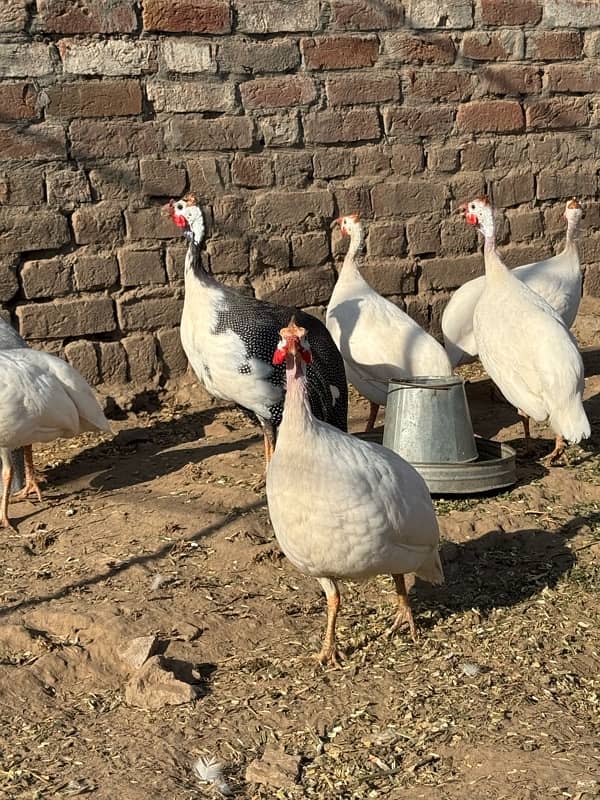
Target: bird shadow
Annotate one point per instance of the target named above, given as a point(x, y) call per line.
point(137, 455)
point(500, 569)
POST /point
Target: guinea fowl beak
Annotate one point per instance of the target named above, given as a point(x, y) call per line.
point(335, 222)
point(168, 208)
point(462, 208)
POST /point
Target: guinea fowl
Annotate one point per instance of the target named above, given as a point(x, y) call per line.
point(41, 398)
point(378, 341)
point(556, 279)
point(229, 340)
point(524, 345)
point(11, 340)
point(342, 507)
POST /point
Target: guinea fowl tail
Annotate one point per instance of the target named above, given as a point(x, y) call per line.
point(570, 421)
point(431, 570)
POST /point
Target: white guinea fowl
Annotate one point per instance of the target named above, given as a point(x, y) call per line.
point(41, 398)
point(556, 279)
point(10, 340)
point(377, 340)
point(229, 340)
point(524, 345)
point(345, 508)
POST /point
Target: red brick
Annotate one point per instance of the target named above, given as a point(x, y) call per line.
point(583, 77)
point(293, 169)
point(333, 162)
point(508, 79)
point(81, 355)
point(37, 142)
point(299, 287)
point(372, 160)
point(86, 16)
point(24, 232)
point(284, 209)
point(386, 239)
point(439, 85)
point(187, 16)
point(423, 235)
point(354, 125)
point(100, 222)
point(160, 177)
point(340, 52)
point(477, 156)
point(156, 309)
point(554, 45)
point(407, 197)
point(508, 12)
point(252, 171)
point(193, 132)
point(419, 120)
point(113, 138)
point(17, 101)
point(283, 92)
point(426, 49)
point(563, 184)
point(495, 46)
point(172, 357)
point(141, 357)
point(361, 88)
point(556, 113)
point(139, 267)
point(499, 116)
point(277, 16)
point(95, 99)
point(148, 223)
point(449, 273)
point(364, 15)
point(228, 255)
point(591, 283)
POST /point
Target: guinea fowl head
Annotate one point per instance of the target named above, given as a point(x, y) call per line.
point(293, 346)
point(479, 212)
point(573, 211)
point(186, 214)
point(349, 224)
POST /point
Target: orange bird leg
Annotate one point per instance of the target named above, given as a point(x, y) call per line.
point(559, 448)
point(329, 653)
point(7, 476)
point(404, 614)
point(525, 421)
point(31, 484)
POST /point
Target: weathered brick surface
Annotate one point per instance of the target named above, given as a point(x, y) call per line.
point(86, 16)
point(276, 16)
point(283, 92)
point(506, 12)
point(340, 52)
point(187, 16)
point(186, 96)
point(23, 232)
point(55, 320)
point(14, 16)
point(108, 57)
point(93, 98)
point(280, 115)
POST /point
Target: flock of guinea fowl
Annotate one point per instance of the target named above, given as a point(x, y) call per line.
point(341, 507)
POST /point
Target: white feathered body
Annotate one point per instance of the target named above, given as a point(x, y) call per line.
point(341, 507)
point(529, 353)
point(377, 340)
point(9, 338)
point(43, 398)
point(556, 279)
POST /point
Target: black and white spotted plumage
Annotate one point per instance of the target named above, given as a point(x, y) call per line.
point(229, 339)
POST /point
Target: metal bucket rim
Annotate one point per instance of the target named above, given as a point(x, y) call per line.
point(426, 382)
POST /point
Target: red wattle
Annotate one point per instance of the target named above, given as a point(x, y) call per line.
point(306, 356)
point(180, 221)
point(471, 219)
point(279, 356)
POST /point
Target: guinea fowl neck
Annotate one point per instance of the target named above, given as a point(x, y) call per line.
point(194, 266)
point(296, 409)
point(494, 266)
point(356, 240)
point(572, 232)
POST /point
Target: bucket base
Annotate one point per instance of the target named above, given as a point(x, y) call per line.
point(495, 468)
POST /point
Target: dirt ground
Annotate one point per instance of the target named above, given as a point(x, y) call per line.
point(163, 530)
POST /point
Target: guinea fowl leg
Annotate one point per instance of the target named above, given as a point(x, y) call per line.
point(372, 417)
point(525, 421)
point(7, 476)
point(559, 448)
point(31, 484)
point(404, 610)
point(329, 653)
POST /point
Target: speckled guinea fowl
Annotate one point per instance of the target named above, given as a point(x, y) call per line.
point(229, 339)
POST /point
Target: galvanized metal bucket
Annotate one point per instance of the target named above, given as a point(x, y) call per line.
point(427, 420)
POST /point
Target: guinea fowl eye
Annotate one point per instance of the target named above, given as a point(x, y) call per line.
point(179, 206)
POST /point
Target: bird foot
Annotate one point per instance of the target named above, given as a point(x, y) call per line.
point(6, 523)
point(329, 656)
point(556, 456)
point(31, 487)
point(403, 617)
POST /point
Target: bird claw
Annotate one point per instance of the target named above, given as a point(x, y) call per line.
point(29, 488)
point(330, 656)
point(398, 622)
point(5, 523)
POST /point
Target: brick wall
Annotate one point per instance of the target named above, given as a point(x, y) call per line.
point(279, 114)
